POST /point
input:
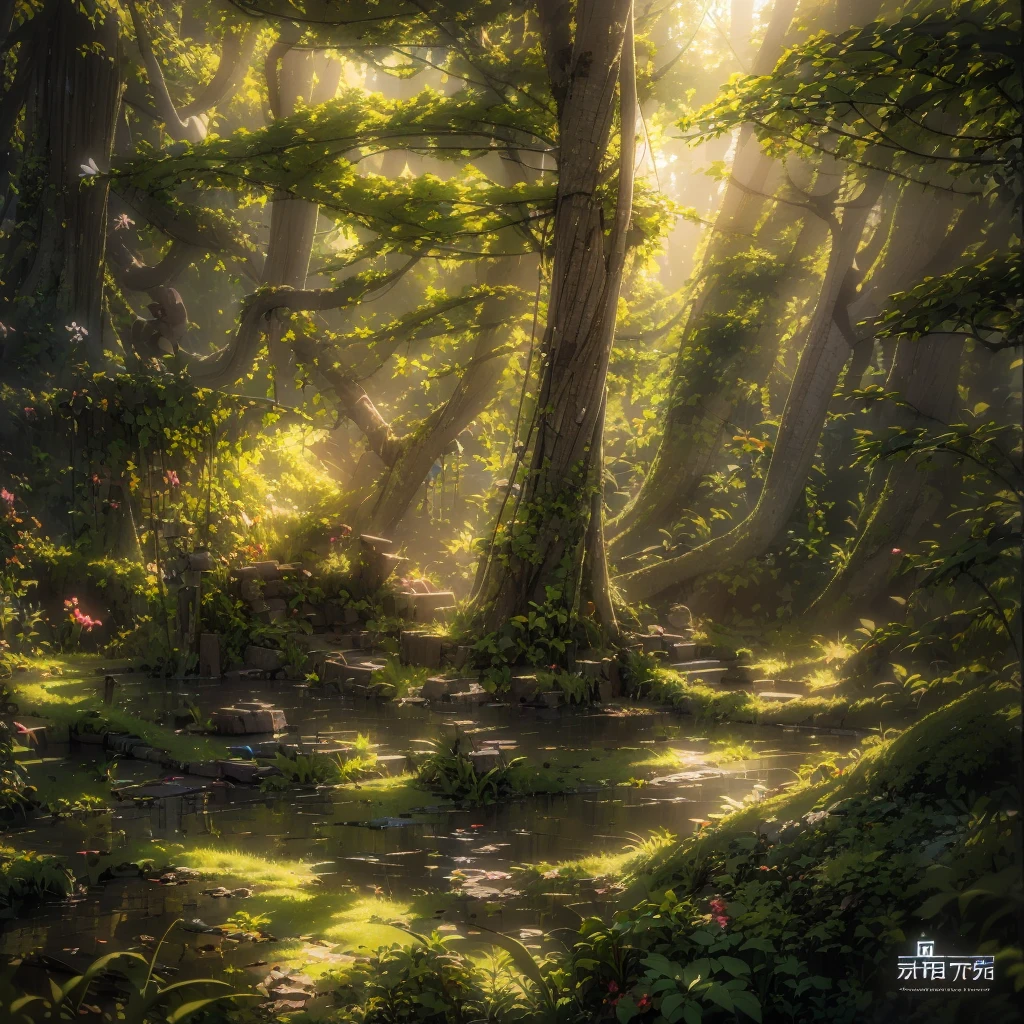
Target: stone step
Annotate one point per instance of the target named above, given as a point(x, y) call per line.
point(696, 664)
point(778, 697)
point(423, 607)
point(440, 687)
point(706, 675)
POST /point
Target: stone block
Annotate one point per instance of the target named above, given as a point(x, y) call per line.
point(650, 644)
point(589, 669)
point(421, 607)
point(551, 698)
point(462, 657)
point(484, 760)
point(763, 684)
point(243, 721)
point(204, 769)
point(209, 655)
point(392, 764)
point(523, 688)
point(120, 743)
point(267, 570)
point(684, 650)
point(778, 697)
point(278, 588)
point(251, 590)
point(248, 773)
point(245, 572)
point(200, 561)
point(421, 649)
point(264, 658)
point(356, 675)
point(278, 609)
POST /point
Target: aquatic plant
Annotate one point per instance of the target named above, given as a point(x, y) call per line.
point(449, 768)
point(31, 877)
point(142, 996)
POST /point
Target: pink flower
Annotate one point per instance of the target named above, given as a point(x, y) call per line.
point(643, 1002)
point(71, 602)
point(613, 986)
point(114, 504)
point(172, 478)
point(717, 906)
point(722, 921)
point(87, 622)
point(30, 413)
point(897, 551)
point(334, 540)
point(6, 497)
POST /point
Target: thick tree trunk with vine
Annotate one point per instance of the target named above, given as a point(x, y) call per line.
point(910, 251)
point(52, 267)
point(825, 353)
point(540, 554)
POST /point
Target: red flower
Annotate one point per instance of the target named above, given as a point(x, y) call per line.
point(613, 986)
point(717, 906)
point(722, 921)
point(643, 1002)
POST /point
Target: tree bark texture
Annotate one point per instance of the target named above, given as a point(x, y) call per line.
point(53, 264)
point(541, 556)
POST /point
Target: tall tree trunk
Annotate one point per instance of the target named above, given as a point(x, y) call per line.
point(925, 374)
point(913, 246)
point(404, 475)
point(541, 555)
point(53, 265)
point(294, 77)
point(703, 388)
point(824, 356)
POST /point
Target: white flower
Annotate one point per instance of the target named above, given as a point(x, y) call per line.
point(89, 169)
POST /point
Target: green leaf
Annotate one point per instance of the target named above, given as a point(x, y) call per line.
point(747, 1003)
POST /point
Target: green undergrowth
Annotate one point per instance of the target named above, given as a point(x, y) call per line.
point(750, 918)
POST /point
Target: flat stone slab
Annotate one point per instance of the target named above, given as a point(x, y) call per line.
point(158, 790)
point(778, 697)
point(248, 718)
point(391, 764)
point(474, 695)
point(439, 687)
point(484, 760)
point(693, 775)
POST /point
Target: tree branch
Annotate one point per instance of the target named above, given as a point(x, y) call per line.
point(190, 130)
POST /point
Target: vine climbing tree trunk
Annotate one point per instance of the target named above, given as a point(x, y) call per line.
point(540, 554)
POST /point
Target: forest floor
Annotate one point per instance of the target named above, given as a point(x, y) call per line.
point(332, 870)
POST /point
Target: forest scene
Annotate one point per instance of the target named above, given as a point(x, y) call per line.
point(510, 511)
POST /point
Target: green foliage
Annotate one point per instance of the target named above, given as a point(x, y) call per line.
point(16, 795)
point(430, 982)
point(450, 770)
point(318, 770)
point(150, 999)
point(981, 299)
point(32, 877)
point(939, 86)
